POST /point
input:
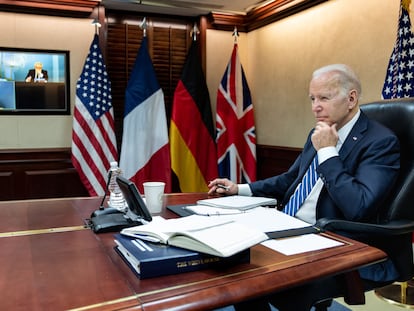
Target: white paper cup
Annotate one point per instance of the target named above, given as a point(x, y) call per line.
point(154, 194)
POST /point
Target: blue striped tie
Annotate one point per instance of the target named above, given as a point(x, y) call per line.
point(304, 188)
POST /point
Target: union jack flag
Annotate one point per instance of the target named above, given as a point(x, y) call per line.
point(400, 73)
point(236, 135)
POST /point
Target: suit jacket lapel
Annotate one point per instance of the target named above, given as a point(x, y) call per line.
point(307, 156)
point(354, 136)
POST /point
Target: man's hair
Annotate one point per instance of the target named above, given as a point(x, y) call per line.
point(346, 77)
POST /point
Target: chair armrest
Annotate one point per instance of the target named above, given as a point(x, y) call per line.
point(396, 227)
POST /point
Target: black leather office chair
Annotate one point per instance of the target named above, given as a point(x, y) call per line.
point(392, 232)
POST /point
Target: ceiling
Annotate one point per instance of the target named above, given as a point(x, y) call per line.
point(225, 14)
point(185, 7)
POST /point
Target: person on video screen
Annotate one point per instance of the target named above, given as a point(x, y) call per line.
point(37, 74)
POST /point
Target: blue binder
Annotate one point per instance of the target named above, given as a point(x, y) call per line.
point(149, 260)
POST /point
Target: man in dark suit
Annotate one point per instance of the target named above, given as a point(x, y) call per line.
point(358, 161)
point(37, 74)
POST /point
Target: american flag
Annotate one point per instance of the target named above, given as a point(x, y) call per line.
point(93, 135)
point(236, 136)
point(400, 73)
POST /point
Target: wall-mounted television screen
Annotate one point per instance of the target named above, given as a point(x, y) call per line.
point(34, 81)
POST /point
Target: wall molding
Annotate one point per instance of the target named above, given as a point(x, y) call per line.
point(254, 19)
point(261, 16)
point(65, 8)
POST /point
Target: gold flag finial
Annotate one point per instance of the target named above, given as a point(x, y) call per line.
point(143, 26)
point(194, 32)
point(235, 34)
point(96, 23)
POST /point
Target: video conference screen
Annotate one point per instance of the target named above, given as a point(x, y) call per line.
point(34, 81)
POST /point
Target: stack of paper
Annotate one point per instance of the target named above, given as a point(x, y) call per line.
point(239, 202)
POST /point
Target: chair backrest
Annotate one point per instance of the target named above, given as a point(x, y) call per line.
point(398, 115)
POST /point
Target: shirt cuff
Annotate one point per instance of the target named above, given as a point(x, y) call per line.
point(244, 189)
point(326, 153)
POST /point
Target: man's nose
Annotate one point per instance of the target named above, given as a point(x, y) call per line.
point(316, 106)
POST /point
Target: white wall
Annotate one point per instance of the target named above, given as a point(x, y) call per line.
point(278, 60)
point(44, 32)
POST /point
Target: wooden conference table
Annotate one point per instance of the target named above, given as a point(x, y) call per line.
point(50, 261)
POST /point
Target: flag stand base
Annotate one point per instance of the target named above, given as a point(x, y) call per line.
point(399, 294)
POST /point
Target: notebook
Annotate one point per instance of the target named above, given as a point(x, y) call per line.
point(238, 202)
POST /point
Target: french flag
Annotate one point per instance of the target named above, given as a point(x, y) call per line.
point(145, 152)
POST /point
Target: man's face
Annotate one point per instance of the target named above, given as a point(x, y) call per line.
point(329, 104)
point(38, 66)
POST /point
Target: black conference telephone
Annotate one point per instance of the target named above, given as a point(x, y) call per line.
point(110, 219)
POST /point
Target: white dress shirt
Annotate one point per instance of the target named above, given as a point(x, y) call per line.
point(307, 212)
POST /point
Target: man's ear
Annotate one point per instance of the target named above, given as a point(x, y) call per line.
point(352, 99)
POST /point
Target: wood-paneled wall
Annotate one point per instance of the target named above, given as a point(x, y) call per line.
point(34, 174)
point(168, 43)
point(48, 173)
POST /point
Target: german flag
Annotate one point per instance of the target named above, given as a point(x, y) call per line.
point(192, 135)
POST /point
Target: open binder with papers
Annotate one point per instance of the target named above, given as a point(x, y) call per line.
point(200, 233)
